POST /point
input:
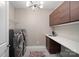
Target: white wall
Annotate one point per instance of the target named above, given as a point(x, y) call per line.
point(69, 31)
point(36, 24)
point(11, 16)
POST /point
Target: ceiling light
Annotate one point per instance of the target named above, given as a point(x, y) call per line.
point(33, 7)
point(41, 6)
point(41, 2)
point(27, 3)
point(35, 4)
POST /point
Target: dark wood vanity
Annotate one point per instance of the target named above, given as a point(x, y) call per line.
point(52, 46)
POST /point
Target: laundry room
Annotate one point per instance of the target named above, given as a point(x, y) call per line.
point(39, 28)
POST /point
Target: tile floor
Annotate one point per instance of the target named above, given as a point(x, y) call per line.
point(38, 48)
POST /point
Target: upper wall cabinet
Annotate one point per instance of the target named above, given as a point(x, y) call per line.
point(74, 10)
point(50, 20)
point(65, 13)
point(60, 15)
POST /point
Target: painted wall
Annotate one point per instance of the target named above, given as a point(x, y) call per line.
point(11, 16)
point(36, 24)
point(69, 31)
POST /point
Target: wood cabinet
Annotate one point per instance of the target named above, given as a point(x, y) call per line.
point(52, 46)
point(56, 17)
point(60, 15)
point(64, 13)
point(50, 20)
point(67, 12)
point(74, 10)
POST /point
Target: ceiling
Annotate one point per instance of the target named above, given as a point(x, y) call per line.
point(47, 4)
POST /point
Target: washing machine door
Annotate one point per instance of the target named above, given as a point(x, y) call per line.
point(19, 46)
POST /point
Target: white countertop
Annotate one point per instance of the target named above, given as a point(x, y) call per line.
point(72, 45)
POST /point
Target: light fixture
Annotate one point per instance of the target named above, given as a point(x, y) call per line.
point(33, 7)
point(41, 6)
point(28, 3)
point(35, 4)
point(41, 2)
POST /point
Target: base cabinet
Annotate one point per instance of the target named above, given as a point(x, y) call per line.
point(52, 46)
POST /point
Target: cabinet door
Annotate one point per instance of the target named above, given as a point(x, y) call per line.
point(50, 20)
point(61, 14)
point(52, 46)
point(64, 10)
point(74, 10)
point(56, 17)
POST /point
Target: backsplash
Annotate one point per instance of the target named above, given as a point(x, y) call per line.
point(69, 31)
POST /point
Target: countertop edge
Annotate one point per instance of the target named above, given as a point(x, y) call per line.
point(72, 45)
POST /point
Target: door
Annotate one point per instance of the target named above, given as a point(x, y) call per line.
point(4, 40)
